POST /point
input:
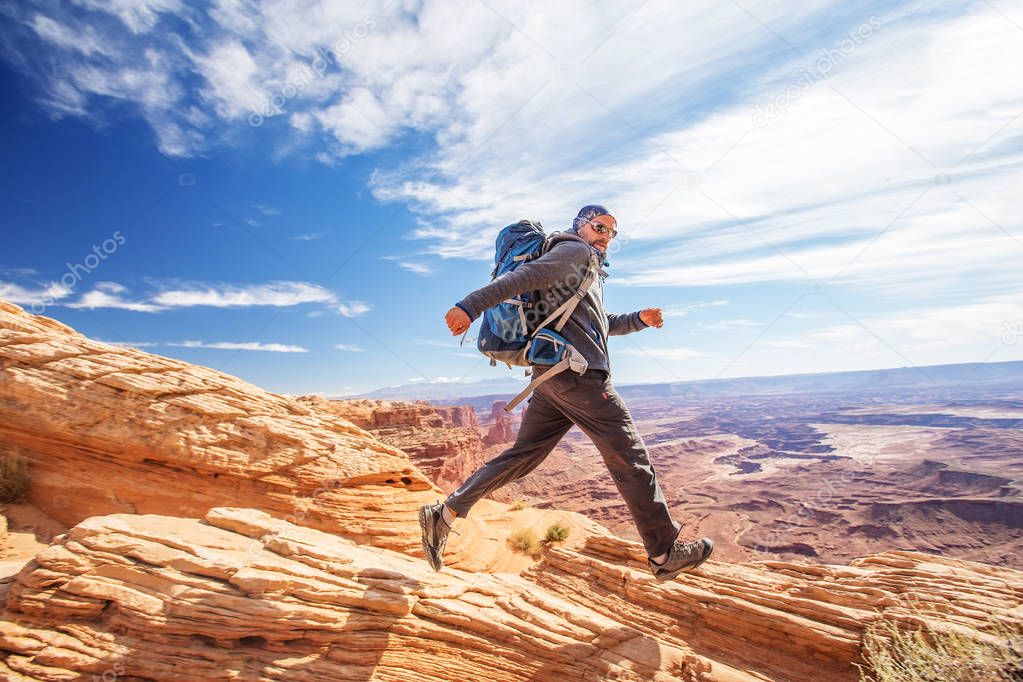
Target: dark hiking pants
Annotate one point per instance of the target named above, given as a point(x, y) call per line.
point(591, 402)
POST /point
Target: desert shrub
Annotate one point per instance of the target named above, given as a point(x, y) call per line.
point(892, 654)
point(555, 533)
point(518, 505)
point(524, 540)
point(14, 477)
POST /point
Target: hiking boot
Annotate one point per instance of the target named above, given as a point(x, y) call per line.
point(683, 556)
point(435, 533)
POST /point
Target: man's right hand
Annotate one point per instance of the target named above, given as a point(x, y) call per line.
point(457, 321)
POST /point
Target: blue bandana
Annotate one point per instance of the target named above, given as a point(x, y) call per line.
point(588, 212)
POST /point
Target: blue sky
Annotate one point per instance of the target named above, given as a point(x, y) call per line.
point(296, 193)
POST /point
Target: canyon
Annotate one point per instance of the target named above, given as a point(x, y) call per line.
point(181, 523)
point(804, 470)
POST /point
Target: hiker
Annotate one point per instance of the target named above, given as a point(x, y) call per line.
point(588, 400)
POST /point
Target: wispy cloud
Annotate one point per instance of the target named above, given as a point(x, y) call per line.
point(20, 271)
point(131, 344)
point(683, 310)
point(29, 295)
point(893, 181)
point(110, 295)
point(309, 236)
point(661, 353)
point(353, 308)
point(186, 294)
point(85, 41)
point(215, 345)
point(349, 347)
point(412, 266)
point(266, 210)
point(418, 268)
point(431, 342)
point(250, 345)
point(279, 294)
point(723, 325)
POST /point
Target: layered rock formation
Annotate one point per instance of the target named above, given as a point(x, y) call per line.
point(244, 596)
point(223, 532)
point(109, 429)
point(504, 428)
point(382, 414)
point(445, 443)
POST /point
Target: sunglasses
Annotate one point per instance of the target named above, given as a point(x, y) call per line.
point(603, 229)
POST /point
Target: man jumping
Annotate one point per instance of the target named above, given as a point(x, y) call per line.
point(588, 400)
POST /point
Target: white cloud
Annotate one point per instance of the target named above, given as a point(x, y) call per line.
point(139, 16)
point(418, 268)
point(35, 295)
point(683, 310)
point(251, 345)
point(353, 308)
point(234, 83)
point(895, 179)
point(349, 347)
point(98, 298)
point(227, 295)
point(722, 325)
point(84, 41)
point(359, 122)
point(430, 342)
point(111, 287)
point(661, 353)
point(130, 344)
point(20, 271)
point(181, 294)
point(842, 335)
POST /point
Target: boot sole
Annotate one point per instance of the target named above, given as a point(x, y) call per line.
point(423, 520)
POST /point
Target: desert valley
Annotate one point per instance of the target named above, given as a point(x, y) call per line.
point(826, 467)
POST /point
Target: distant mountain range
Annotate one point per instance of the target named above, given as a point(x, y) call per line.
point(929, 377)
point(449, 390)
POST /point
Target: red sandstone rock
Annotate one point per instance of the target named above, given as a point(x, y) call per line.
point(330, 584)
point(109, 429)
point(503, 429)
point(242, 595)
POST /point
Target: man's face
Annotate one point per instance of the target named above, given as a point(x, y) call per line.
point(593, 236)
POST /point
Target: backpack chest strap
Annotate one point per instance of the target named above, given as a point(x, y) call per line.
point(561, 366)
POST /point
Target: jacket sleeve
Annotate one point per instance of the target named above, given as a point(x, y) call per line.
point(564, 265)
point(618, 325)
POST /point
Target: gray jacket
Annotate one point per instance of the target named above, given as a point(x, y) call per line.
point(557, 274)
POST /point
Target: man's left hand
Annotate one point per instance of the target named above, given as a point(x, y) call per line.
point(652, 316)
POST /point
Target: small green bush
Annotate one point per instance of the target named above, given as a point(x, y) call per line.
point(524, 540)
point(14, 477)
point(518, 505)
point(555, 533)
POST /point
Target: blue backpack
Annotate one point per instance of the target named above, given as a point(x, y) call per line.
point(513, 331)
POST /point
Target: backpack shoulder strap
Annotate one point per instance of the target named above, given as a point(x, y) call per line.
point(565, 310)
